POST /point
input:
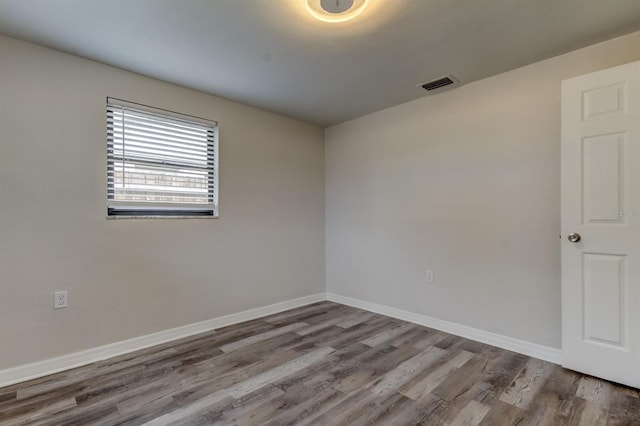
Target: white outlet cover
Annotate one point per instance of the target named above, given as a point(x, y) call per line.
point(429, 277)
point(60, 300)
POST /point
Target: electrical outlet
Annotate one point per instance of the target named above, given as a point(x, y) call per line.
point(429, 277)
point(60, 300)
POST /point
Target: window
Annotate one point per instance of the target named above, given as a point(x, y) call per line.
point(160, 163)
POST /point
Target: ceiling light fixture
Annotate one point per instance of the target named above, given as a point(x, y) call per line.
point(336, 10)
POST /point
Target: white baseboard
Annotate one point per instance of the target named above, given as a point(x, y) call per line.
point(66, 362)
point(535, 350)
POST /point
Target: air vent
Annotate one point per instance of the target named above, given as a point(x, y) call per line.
point(440, 84)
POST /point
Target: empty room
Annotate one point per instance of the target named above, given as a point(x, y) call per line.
point(320, 212)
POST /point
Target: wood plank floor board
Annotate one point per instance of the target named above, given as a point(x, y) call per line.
point(18, 406)
point(60, 384)
point(279, 372)
point(430, 338)
point(594, 390)
point(331, 320)
point(360, 331)
point(387, 361)
point(435, 374)
point(97, 417)
point(321, 364)
point(321, 374)
point(144, 356)
point(345, 313)
point(8, 397)
point(317, 338)
point(449, 342)
point(341, 375)
point(430, 410)
point(410, 337)
point(355, 319)
point(569, 410)
point(388, 334)
point(260, 337)
point(624, 410)
point(372, 367)
point(212, 414)
point(468, 398)
point(37, 411)
point(345, 412)
point(496, 376)
point(371, 409)
point(209, 384)
point(234, 410)
point(549, 409)
point(288, 400)
point(88, 392)
point(151, 411)
point(502, 413)
point(106, 403)
point(461, 380)
point(476, 348)
point(382, 411)
point(525, 387)
point(311, 314)
point(221, 338)
point(415, 411)
point(407, 370)
point(313, 406)
point(260, 350)
point(470, 415)
point(592, 415)
point(293, 314)
point(80, 373)
point(502, 370)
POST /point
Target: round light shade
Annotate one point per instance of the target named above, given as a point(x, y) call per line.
point(335, 10)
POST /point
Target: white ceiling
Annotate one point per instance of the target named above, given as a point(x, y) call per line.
point(272, 54)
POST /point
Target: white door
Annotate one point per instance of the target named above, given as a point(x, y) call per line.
point(601, 205)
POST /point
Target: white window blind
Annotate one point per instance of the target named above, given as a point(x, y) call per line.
point(159, 163)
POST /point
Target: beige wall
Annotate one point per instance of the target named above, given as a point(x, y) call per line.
point(466, 183)
point(132, 277)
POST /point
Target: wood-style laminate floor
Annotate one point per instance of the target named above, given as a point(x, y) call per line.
point(322, 364)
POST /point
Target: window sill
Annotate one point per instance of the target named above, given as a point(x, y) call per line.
point(159, 217)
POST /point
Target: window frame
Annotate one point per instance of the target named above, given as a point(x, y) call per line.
point(122, 209)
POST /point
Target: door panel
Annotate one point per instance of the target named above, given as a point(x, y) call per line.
point(601, 202)
point(603, 179)
point(604, 281)
point(604, 102)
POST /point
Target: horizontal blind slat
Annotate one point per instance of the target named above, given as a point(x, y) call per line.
point(161, 156)
point(143, 168)
point(168, 124)
point(160, 133)
point(162, 147)
point(116, 135)
point(162, 115)
point(152, 162)
point(177, 119)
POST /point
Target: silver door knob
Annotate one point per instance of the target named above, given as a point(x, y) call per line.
point(574, 238)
